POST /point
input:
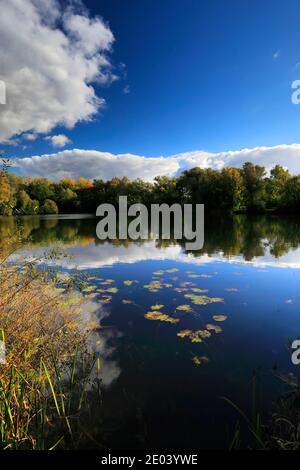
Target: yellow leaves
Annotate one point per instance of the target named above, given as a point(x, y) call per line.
point(196, 289)
point(195, 336)
point(212, 327)
point(184, 308)
point(220, 317)
point(112, 290)
point(89, 289)
point(129, 282)
point(157, 307)
point(158, 316)
point(156, 285)
point(169, 271)
point(109, 290)
point(184, 333)
point(106, 300)
point(203, 299)
point(181, 289)
point(107, 282)
point(200, 360)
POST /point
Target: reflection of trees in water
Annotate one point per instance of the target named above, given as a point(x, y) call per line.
point(232, 235)
point(250, 236)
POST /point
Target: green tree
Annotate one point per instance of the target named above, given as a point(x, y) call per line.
point(41, 189)
point(255, 186)
point(49, 207)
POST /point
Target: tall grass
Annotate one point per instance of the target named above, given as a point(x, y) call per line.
point(281, 430)
point(45, 378)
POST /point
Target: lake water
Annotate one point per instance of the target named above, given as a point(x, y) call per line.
point(161, 390)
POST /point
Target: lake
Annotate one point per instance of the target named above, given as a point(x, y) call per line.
point(182, 331)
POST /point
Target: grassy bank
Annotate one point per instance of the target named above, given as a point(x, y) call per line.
point(45, 374)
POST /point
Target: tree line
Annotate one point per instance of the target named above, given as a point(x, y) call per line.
point(236, 190)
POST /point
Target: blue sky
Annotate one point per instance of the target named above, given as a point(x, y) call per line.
point(200, 75)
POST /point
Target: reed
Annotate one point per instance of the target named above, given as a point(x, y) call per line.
point(45, 375)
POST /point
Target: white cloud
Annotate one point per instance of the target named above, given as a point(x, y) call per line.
point(49, 57)
point(29, 136)
point(94, 164)
point(59, 140)
point(95, 256)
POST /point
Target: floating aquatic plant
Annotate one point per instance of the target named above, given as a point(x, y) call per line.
point(155, 285)
point(129, 282)
point(215, 328)
point(231, 289)
point(110, 290)
point(199, 360)
point(184, 308)
point(126, 302)
point(184, 333)
point(195, 336)
point(89, 289)
point(157, 307)
point(106, 300)
point(203, 299)
point(107, 282)
point(220, 317)
point(159, 316)
point(181, 289)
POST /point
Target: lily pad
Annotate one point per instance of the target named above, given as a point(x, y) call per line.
point(184, 308)
point(107, 282)
point(203, 299)
point(112, 290)
point(220, 317)
point(196, 289)
point(215, 328)
point(195, 336)
point(106, 300)
point(158, 316)
point(181, 289)
point(157, 307)
point(185, 333)
point(200, 360)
